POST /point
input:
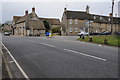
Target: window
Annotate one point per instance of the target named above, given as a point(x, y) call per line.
point(76, 29)
point(109, 25)
point(76, 21)
point(70, 29)
point(94, 17)
point(71, 21)
point(109, 19)
point(101, 18)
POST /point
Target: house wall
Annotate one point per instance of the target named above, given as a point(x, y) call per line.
point(64, 24)
point(74, 26)
point(41, 32)
point(95, 27)
point(20, 29)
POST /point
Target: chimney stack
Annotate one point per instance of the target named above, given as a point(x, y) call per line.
point(65, 9)
point(33, 9)
point(87, 8)
point(26, 12)
point(110, 14)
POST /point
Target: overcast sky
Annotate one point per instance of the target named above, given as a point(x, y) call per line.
point(52, 8)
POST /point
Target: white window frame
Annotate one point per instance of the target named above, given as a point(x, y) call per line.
point(101, 18)
point(94, 17)
point(76, 29)
point(70, 29)
point(76, 21)
point(109, 19)
point(71, 21)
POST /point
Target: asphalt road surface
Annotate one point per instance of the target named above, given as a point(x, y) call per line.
point(58, 58)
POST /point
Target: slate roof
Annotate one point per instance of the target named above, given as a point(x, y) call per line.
point(52, 21)
point(36, 24)
point(24, 18)
point(7, 27)
point(31, 21)
point(84, 16)
point(16, 18)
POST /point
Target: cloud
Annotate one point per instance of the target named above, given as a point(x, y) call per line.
point(58, 0)
point(52, 9)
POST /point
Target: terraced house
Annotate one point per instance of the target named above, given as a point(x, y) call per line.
point(31, 24)
point(74, 22)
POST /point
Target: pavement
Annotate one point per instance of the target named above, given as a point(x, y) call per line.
point(0, 56)
point(70, 38)
point(43, 57)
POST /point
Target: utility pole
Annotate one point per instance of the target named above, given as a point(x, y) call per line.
point(112, 17)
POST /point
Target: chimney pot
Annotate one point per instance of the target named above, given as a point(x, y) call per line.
point(110, 14)
point(33, 9)
point(65, 9)
point(26, 12)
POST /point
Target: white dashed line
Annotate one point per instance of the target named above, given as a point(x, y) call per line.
point(43, 43)
point(85, 54)
point(17, 64)
point(47, 44)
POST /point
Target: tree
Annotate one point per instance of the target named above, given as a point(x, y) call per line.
point(47, 25)
point(8, 23)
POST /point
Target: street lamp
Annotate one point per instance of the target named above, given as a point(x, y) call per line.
point(112, 17)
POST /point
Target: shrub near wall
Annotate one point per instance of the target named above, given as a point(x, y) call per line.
point(55, 30)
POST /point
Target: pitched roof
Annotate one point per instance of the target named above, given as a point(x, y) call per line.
point(7, 27)
point(24, 18)
point(16, 18)
point(36, 24)
point(76, 15)
point(52, 21)
point(32, 21)
point(84, 15)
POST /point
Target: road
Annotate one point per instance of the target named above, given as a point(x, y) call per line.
point(43, 57)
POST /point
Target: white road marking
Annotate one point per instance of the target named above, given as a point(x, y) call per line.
point(74, 51)
point(47, 44)
point(19, 67)
point(11, 61)
point(43, 43)
point(85, 54)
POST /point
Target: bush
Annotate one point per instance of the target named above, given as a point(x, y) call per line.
point(55, 30)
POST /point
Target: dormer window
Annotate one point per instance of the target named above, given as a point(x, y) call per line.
point(94, 17)
point(108, 19)
point(101, 18)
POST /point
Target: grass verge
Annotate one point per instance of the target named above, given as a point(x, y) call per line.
point(111, 40)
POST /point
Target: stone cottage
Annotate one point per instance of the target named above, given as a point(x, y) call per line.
point(74, 22)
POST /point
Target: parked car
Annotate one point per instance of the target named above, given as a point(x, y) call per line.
point(105, 33)
point(117, 33)
point(82, 33)
point(6, 33)
point(38, 34)
point(94, 33)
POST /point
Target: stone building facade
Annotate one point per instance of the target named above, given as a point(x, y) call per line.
point(31, 24)
point(74, 22)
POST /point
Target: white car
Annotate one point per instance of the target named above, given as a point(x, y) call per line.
point(82, 33)
point(7, 34)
